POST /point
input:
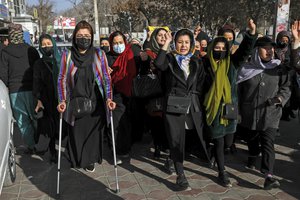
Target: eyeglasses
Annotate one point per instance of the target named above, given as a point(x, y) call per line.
point(84, 36)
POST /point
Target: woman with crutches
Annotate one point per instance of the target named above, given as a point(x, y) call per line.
point(84, 91)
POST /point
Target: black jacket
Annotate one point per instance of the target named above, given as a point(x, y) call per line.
point(175, 84)
point(16, 67)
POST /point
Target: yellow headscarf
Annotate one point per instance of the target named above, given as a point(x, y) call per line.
point(220, 88)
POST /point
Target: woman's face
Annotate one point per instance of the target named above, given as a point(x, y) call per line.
point(266, 53)
point(118, 40)
point(46, 43)
point(160, 37)
point(203, 43)
point(220, 46)
point(197, 45)
point(183, 44)
point(83, 33)
point(104, 43)
point(228, 36)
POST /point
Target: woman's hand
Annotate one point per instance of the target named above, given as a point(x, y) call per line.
point(296, 34)
point(144, 56)
point(110, 70)
point(110, 104)
point(296, 30)
point(38, 106)
point(252, 26)
point(169, 39)
point(61, 107)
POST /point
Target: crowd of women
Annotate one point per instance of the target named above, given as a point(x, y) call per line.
point(206, 90)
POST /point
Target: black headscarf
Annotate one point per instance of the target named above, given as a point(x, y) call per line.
point(84, 77)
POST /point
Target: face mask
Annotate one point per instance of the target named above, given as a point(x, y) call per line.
point(119, 48)
point(230, 43)
point(204, 49)
point(282, 44)
point(105, 48)
point(219, 55)
point(48, 50)
point(197, 53)
point(83, 43)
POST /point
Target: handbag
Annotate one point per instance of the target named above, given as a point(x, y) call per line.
point(146, 86)
point(230, 111)
point(178, 104)
point(82, 106)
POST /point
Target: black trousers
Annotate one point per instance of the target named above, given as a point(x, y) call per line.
point(266, 140)
point(122, 124)
point(219, 145)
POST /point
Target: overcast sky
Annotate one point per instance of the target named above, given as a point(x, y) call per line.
point(59, 5)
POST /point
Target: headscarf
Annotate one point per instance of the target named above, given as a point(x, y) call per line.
point(184, 60)
point(221, 87)
point(83, 62)
point(154, 46)
point(15, 33)
point(124, 67)
point(54, 60)
point(255, 67)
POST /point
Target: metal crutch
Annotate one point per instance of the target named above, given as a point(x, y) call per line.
point(59, 152)
point(114, 151)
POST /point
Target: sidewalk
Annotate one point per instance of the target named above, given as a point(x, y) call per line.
point(142, 177)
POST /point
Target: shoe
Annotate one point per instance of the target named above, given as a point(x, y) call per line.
point(251, 162)
point(271, 182)
point(53, 158)
point(292, 115)
point(169, 166)
point(118, 161)
point(90, 168)
point(233, 149)
point(212, 162)
point(182, 183)
point(224, 179)
point(156, 153)
point(30, 151)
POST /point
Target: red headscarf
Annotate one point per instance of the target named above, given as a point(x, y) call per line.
point(124, 67)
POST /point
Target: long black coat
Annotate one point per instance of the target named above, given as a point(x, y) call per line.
point(43, 90)
point(175, 123)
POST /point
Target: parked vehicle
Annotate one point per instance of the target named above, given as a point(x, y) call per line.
point(7, 149)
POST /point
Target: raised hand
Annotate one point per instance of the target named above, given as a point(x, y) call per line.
point(296, 30)
point(252, 26)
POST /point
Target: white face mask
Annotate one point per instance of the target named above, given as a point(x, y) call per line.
point(119, 48)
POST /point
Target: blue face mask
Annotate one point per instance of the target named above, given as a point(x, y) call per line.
point(119, 48)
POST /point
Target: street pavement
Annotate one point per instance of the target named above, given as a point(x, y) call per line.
point(142, 177)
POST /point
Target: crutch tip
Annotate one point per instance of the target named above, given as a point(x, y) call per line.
point(117, 190)
point(57, 196)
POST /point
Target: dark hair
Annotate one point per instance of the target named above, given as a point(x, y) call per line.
point(3, 38)
point(221, 39)
point(185, 32)
point(112, 36)
point(115, 34)
point(83, 25)
point(159, 29)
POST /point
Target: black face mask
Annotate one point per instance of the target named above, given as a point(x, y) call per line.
point(204, 49)
point(230, 43)
point(105, 48)
point(219, 55)
point(48, 51)
point(197, 53)
point(282, 45)
point(83, 43)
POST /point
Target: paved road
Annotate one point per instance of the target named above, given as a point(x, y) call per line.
point(142, 177)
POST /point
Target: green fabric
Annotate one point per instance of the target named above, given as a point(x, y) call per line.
point(220, 89)
point(23, 104)
point(54, 59)
point(217, 130)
